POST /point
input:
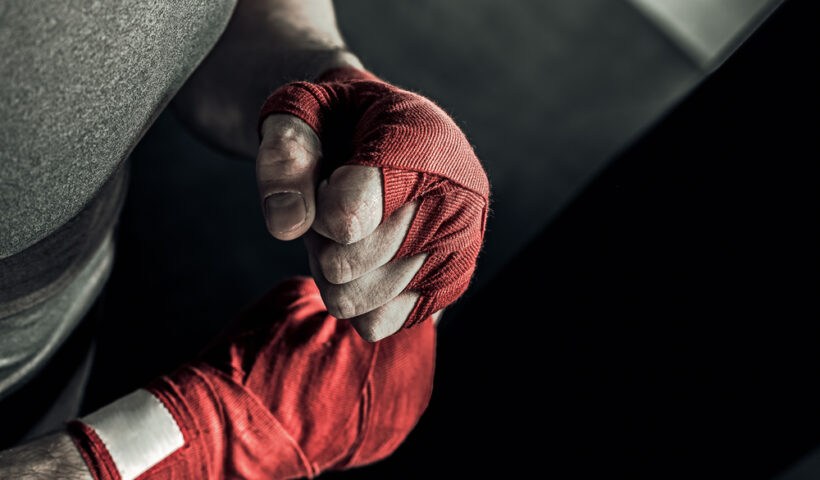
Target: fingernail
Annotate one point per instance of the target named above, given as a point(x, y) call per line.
point(285, 211)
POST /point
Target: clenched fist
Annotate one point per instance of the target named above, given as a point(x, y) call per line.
point(385, 190)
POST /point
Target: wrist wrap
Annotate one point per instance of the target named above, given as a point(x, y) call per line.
point(423, 156)
point(288, 392)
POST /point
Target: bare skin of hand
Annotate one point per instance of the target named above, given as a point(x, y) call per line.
point(350, 249)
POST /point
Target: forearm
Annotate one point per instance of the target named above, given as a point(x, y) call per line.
point(202, 421)
point(292, 22)
point(50, 457)
point(267, 44)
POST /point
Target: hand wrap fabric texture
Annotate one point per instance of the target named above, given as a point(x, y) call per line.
point(288, 392)
point(423, 156)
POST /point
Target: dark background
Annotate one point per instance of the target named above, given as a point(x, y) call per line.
point(660, 325)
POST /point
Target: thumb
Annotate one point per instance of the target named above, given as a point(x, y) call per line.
point(287, 167)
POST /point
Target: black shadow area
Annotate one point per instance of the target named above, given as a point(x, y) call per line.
point(665, 326)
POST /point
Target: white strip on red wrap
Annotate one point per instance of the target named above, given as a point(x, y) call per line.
point(137, 432)
point(287, 392)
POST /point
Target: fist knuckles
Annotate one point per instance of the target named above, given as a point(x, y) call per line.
point(396, 227)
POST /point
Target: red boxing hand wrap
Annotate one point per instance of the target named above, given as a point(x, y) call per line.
point(423, 156)
point(289, 392)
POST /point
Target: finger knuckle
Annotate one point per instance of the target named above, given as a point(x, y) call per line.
point(341, 302)
point(372, 326)
point(369, 332)
point(335, 265)
point(285, 155)
point(345, 226)
point(350, 206)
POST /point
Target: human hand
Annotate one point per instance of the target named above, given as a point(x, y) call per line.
point(349, 250)
point(394, 230)
point(287, 391)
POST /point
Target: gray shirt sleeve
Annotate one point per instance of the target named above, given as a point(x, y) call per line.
point(80, 83)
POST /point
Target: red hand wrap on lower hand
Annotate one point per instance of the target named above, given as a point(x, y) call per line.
point(289, 392)
point(423, 156)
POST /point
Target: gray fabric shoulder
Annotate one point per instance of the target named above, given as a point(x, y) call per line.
point(80, 83)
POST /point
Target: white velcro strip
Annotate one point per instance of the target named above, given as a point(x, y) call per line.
point(138, 431)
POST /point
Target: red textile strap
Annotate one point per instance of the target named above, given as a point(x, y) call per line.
point(423, 156)
point(288, 392)
point(93, 451)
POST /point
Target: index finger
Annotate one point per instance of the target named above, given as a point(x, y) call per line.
point(349, 204)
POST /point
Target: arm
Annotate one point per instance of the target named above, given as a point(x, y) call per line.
point(254, 405)
point(371, 266)
point(50, 457)
point(267, 44)
point(56, 456)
